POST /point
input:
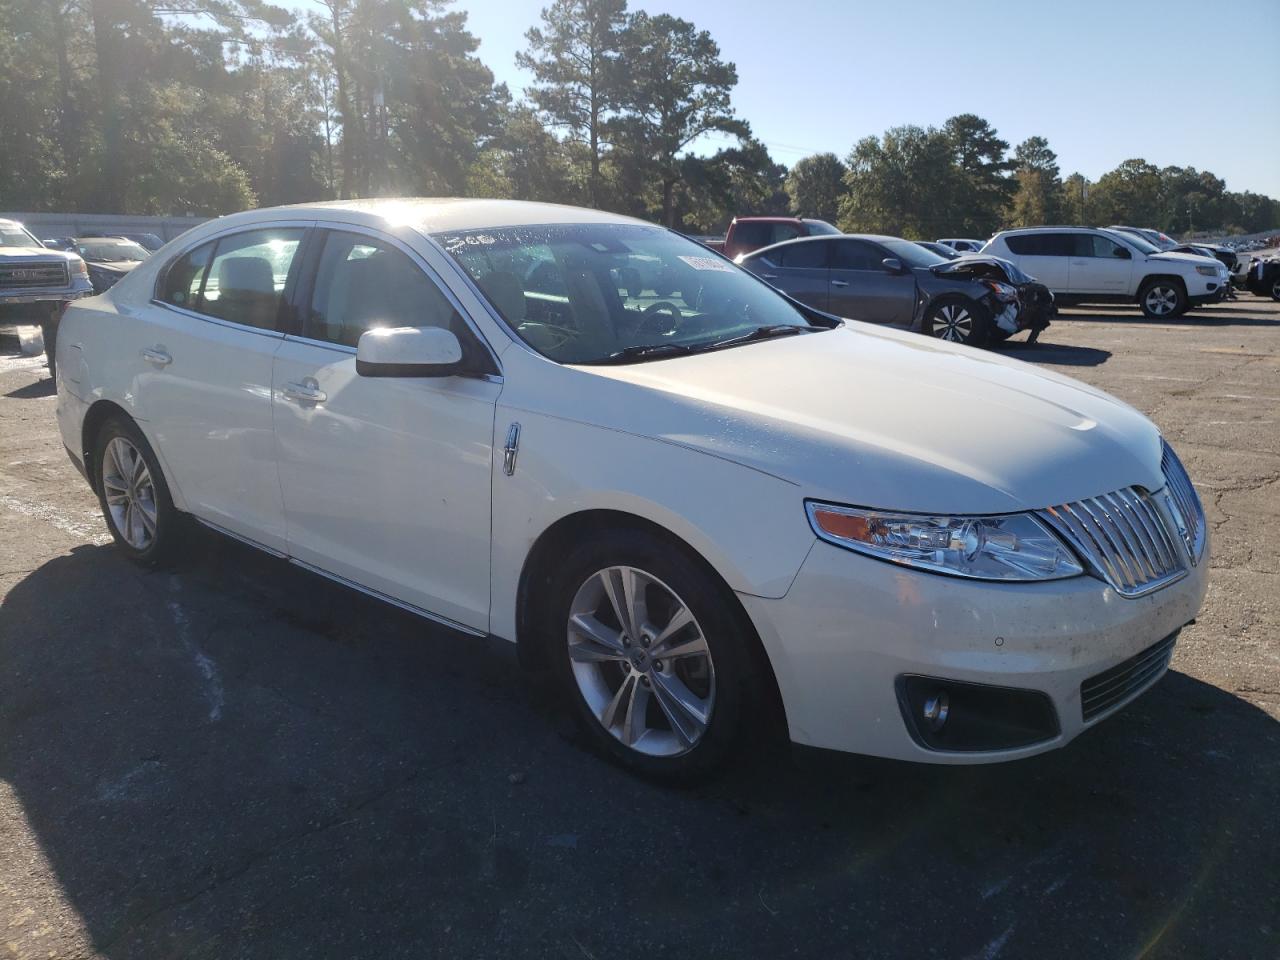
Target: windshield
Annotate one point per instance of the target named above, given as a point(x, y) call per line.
point(12, 235)
point(110, 251)
point(596, 293)
point(912, 254)
point(1135, 240)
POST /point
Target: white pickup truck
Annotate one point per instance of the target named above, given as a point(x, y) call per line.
point(37, 283)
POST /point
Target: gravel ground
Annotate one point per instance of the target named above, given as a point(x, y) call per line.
point(238, 759)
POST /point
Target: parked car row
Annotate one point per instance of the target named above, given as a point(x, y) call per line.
point(687, 505)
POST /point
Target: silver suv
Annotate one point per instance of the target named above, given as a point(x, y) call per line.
point(1093, 265)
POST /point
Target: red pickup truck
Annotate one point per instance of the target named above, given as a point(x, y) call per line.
point(751, 233)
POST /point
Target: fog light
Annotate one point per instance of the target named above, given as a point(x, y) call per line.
point(936, 709)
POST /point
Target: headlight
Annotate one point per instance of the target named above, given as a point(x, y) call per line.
point(1207, 271)
point(1003, 292)
point(79, 267)
point(1012, 547)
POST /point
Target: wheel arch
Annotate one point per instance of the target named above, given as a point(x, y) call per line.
point(555, 540)
point(1154, 277)
point(98, 413)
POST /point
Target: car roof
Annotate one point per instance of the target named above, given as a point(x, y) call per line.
point(438, 214)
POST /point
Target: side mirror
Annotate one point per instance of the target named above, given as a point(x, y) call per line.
point(408, 352)
point(892, 264)
point(1123, 253)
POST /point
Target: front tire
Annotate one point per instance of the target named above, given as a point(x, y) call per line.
point(1162, 299)
point(1275, 288)
point(958, 320)
point(133, 494)
point(648, 649)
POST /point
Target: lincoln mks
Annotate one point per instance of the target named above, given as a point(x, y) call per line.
point(683, 494)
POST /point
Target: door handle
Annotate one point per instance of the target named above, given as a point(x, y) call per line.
point(839, 283)
point(306, 391)
point(156, 355)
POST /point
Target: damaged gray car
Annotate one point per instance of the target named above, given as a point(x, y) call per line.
point(974, 299)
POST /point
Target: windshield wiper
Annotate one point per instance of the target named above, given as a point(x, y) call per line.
point(644, 351)
point(759, 333)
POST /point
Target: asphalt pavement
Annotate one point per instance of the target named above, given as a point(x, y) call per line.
point(239, 759)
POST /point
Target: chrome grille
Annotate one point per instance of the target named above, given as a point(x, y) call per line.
point(1100, 693)
point(1123, 537)
point(17, 275)
point(1185, 500)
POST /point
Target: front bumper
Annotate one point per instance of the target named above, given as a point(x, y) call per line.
point(80, 287)
point(851, 628)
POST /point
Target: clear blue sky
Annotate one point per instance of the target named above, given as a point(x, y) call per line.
point(1185, 82)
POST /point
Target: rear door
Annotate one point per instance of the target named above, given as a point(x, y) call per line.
point(1045, 256)
point(862, 289)
point(1100, 265)
point(797, 269)
point(204, 376)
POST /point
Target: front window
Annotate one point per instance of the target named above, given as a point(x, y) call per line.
point(1143, 246)
point(111, 251)
point(600, 293)
point(912, 254)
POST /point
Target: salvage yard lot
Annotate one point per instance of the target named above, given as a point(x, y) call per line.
point(237, 758)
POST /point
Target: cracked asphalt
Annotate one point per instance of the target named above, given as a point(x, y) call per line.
point(239, 759)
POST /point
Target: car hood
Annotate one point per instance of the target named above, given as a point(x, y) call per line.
point(116, 266)
point(35, 253)
point(881, 418)
point(1193, 259)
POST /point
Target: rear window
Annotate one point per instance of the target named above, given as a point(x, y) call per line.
point(1042, 244)
point(806, 254)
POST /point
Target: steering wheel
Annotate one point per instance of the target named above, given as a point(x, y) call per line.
point(651, 315)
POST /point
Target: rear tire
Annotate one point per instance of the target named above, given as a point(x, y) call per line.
point(676, 717)
point(958, 320)
point(133, 495)
point(1162, 299)
point(1275, 288)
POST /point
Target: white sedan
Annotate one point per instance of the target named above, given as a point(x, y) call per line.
point(684, 494)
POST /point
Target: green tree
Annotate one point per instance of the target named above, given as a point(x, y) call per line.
point(1128, 194)
point(1037, 196)
point(574, 60)
point(983, 188)
point(903, 184)
point(815, 186)
point(525, 162)
point(677, 91)
point(732, 181)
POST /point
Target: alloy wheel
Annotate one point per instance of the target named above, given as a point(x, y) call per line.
point(1162, 300)
point(641, 661)
point(129, 493)
point(953, 322)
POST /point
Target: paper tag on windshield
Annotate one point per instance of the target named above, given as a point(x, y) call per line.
point(707, 263)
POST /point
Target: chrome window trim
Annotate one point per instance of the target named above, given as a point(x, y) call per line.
point(163, 272)
point(433, 275)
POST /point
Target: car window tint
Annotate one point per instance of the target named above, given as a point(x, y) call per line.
point(181, 283)
point(247, 276)
point(753, 234)
point(811, 254)
point(363, 283)
point(784, 231)
point(856, 255)
point(1100, 246)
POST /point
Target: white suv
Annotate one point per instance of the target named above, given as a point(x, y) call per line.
point(1090, 265)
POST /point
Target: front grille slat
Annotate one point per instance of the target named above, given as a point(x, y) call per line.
point(1123, 538)
point(1112, 687)
point(1184, 496)
point(37, 274)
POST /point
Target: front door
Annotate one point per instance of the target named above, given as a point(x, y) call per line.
point(1100, 265)
point(203, 381)
point(862, 289)
point(386, 481)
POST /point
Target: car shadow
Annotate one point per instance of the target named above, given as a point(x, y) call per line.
point(45, 387)
point(1056, 354)
point(239, 758)
point(1238, 313)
